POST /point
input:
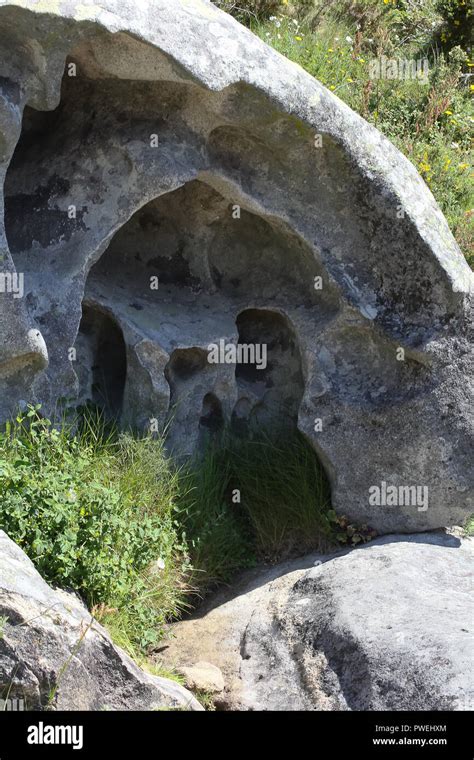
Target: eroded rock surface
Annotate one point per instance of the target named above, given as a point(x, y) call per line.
point(164, 143)
point(53, 655)
point(388, 626)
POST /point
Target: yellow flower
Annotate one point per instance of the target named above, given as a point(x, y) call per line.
point(471, 87)
point(330, 50)
point(350, 80)
point(463, 166)
point(298, 38)
point(448, 113)
point(332, 87)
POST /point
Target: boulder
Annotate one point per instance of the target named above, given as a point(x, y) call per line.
point(170, 183)
point(54, 655)
point(387, 626)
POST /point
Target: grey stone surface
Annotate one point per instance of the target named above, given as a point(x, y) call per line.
point(53, 655)
point(387, 626)
point(93, 210)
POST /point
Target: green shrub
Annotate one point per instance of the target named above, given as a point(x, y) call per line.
point(458, 23)
point(95, 514)
point(108, 515)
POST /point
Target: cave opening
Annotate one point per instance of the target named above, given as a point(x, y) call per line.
point(101, 362)
point(212, 417)
point(270, 391)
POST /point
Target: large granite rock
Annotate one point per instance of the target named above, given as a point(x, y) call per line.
point(388, 626)
point(170, 182)
point(53, 655)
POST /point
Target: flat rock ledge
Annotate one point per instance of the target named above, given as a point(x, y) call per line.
point(54, 655)
point(387, 626)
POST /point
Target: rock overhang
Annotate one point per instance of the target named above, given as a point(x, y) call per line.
point(238, 119)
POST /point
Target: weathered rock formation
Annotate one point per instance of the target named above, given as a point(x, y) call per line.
point(388, 626)
point(172, 182)
point(53, 655)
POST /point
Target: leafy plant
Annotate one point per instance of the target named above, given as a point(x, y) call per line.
point(108, 515)
point(458, 23)
point(95, 514)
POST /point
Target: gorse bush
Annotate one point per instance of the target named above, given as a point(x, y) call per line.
point(457, 27)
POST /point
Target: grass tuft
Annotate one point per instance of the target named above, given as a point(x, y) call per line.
point(253, 499)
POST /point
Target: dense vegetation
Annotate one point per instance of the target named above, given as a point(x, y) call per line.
point(110, 516)
point(430, 120)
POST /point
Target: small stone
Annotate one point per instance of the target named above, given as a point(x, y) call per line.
point(203, 676)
